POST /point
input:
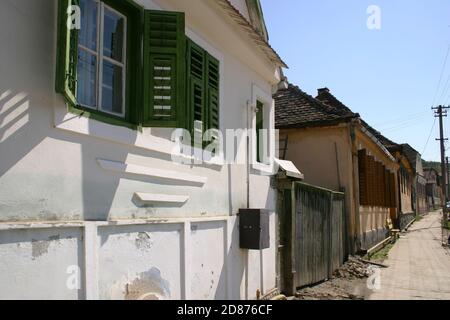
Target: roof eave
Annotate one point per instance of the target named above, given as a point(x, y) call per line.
point(319, 123)
point(257, 38)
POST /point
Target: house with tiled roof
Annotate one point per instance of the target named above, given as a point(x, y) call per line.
point(419, 188)
point(434, 192)
point(411, 182)
point(406, 185)
point(336, 149)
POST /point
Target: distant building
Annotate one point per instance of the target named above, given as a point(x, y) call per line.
point(433, 188)
point(419, 187)
point(336, 149)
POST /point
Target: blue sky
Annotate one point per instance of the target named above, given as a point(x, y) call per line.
point(390, 76)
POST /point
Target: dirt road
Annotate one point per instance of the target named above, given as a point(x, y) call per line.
point(419, 266)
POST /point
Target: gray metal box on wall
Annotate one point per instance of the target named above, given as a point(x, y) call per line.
point(254, 229)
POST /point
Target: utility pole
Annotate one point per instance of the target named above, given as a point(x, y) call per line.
point(440, 113)
point(447, 171)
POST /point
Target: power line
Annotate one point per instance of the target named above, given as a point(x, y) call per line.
point(429, 136)
point(403, 124)
point(407, 118)
point(442, 74)
point(444, 92)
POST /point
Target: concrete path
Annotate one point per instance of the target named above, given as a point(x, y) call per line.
point(419, 267)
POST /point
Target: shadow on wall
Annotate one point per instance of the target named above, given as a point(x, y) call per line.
point(43, 168)
point(236, 273)
point(47, 173)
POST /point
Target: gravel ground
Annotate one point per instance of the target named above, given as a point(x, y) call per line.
point(347, 283)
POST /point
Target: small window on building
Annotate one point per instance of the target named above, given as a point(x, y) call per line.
point(101, 67)
point(130, 66)
point(259, 131)
point(262, 135)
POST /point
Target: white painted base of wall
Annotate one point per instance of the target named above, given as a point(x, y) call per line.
point(133, 259)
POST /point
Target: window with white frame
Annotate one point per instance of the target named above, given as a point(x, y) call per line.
point(101, 67)
point(129, 66)
point(263, 145)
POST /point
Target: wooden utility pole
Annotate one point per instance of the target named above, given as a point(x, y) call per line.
point(448, 176)
point(440, 113)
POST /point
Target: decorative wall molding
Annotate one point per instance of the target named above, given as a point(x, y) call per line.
point(153, 198)
point(126, 168)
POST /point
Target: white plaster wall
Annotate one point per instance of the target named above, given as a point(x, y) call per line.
point(135, 259)
point(35, 263)
point(49, 173)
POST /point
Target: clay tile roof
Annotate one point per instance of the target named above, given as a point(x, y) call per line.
point(295, 108)
point(326, 97)
point(411, 154)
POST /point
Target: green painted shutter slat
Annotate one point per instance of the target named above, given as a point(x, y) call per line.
point(196, 93)
point(203, 88)
point(212, 85)
point(164, 69)
point(67, 53)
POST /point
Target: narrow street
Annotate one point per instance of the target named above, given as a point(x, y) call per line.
point(419, 267)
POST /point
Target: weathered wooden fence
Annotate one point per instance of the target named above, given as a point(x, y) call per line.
point(320, 233)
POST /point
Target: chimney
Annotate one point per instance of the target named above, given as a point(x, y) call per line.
point(323, 90)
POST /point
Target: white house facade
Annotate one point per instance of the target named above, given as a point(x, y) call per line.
point(92, 203)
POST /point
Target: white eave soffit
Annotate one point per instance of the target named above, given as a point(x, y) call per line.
point(258, 39)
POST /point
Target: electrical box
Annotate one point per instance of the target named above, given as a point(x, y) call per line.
point(254, 229)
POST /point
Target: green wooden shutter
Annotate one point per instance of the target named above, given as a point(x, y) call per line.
point(164, 69)
point(203, 90)
point(67, 53)
point(212, 86)
point(196, 93)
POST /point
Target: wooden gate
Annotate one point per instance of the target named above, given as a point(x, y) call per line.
point(314, 230)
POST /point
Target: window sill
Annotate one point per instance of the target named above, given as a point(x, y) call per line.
point(142, 139)
point(264, 169)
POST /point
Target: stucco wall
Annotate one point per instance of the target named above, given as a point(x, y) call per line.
point(406, 202)
point(373, 225)
point(59, 167)
point(373, 218)
point(175, 259)
point(49, 173)
point(313, 151)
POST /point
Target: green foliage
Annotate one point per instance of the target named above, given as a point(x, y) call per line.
point(382, 254)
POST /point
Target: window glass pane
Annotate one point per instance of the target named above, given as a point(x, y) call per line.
point(112, 93)
point(87, 82)
point(113, 35)
point(88, 32)
point(259, 127)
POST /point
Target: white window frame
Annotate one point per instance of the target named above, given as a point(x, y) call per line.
point(268, 123)
point(100, 57)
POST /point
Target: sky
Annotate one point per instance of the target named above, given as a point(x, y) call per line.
point(390, 76)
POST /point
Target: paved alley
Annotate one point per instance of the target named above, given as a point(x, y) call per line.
point(419, 267)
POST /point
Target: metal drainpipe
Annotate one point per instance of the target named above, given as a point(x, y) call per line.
point(247, 156)
point(356, 241)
